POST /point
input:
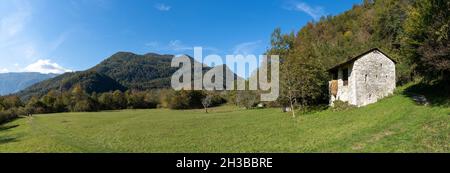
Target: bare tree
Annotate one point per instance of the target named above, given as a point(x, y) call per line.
point(290, 91)
point(206, 102)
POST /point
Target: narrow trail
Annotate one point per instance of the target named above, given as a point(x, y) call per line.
point(420, 99)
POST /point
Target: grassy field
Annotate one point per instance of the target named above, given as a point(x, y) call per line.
point(394, 124)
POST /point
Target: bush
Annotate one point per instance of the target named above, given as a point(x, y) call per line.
point(247, 99)
point(339, 105)
point(217, 99)
point(186, 99)
point(106, 101)
point(8, 115)
point(83, 106)
point(140, 100)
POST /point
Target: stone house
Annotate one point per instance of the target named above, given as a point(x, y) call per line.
point(363, 79)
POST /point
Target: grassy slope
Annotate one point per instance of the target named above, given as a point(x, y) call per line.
point(394, 124)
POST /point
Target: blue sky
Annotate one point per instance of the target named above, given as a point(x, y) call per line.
point(62, 35)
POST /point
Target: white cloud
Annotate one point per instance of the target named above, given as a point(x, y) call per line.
point(162, 7)
point(247, 48)
point(315, 12)
point(46, 66)
point(4, 70)
point(177, 45)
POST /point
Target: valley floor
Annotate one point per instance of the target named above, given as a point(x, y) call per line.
point(394, 124)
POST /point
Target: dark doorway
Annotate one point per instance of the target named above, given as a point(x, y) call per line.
point(345, 76)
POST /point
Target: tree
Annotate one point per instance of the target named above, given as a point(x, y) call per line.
point(2, 107)
point(11, 102)
point(246, 98)
point(206, 102)
point(186, 99)
point(137, 100)
point(290, 84)
point(281, 43)
point(427, 31)
point(119, 100)
point(77, 95)
point(302, 73)
point(106, 101)
point(60, 105)
point(152, 98)
point(49, 100)
point(34, 106)
point(83, 106)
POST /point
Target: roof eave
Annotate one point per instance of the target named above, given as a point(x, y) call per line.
point(357, 57)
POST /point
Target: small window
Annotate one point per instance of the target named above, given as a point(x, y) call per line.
point(345, 76)
point(365, 78)
point(335, 75)
point(381, 65)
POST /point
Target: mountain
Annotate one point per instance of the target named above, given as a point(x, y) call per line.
point(226, 71)
point(121, 71)
point(14, 82)
point(134, 71)
point(88, 80)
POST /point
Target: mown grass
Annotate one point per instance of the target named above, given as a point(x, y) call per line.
point(395, 124)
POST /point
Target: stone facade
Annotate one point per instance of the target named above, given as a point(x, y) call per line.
point(364, 79)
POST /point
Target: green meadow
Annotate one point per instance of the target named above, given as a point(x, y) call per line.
point(395, 124)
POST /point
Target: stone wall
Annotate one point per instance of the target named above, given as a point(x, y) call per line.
point(345, 92)
point(374, 78)
point(371, 77)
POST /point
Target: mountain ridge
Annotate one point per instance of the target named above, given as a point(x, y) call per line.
point(120, 71)
point(15, 81)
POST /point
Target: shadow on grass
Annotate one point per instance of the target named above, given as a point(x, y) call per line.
point(8, 127)
point(437, 93)
point(4, 140)
point(7, 139)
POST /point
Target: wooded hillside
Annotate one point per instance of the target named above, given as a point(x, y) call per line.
point(415, 33)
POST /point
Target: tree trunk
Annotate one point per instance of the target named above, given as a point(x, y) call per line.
point(292, 109)
point(206, 109)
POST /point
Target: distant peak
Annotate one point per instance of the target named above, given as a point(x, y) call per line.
point(124, 53)
point(152, 54)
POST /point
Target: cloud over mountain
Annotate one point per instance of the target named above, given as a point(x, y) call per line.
point(46, 66)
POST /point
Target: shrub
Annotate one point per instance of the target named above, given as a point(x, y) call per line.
point(217, 99)
point(339, 105)
point(8, 115)
point(140, 100)
point(247, 99)
point(83, 106)
point(186, 99)
point(106, 101)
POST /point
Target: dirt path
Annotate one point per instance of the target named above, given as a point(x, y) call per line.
point(420, 99)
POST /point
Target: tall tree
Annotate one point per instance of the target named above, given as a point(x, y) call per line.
point(302, 73)
point(302, 80)
point(427, 31)
point(119, 100)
